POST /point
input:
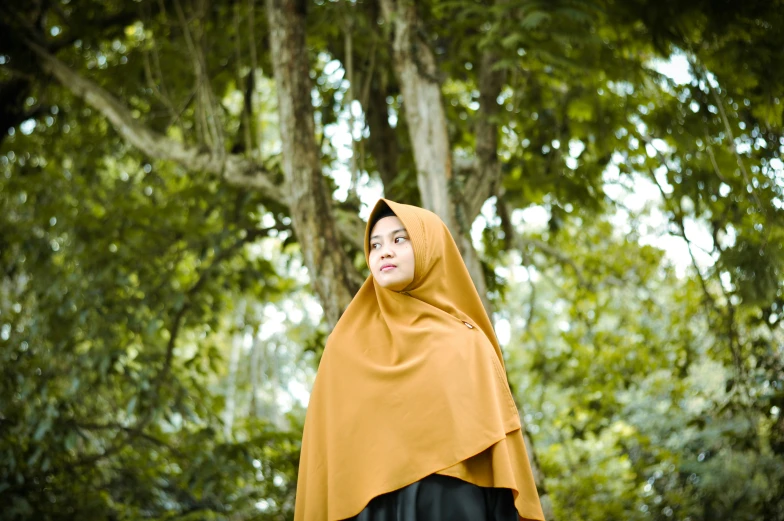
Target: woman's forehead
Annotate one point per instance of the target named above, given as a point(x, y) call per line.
point(386, 225)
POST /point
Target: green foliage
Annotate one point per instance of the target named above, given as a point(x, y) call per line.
point(119, 276)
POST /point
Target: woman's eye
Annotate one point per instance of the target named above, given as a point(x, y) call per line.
point(400, 239)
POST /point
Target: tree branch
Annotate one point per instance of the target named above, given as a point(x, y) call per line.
point(709, 301)
point(332, 274)
point(236, 170)
point(417, 70)
point(517, 241)
point(118, 427)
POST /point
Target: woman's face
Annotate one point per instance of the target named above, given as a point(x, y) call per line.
point(391, 254)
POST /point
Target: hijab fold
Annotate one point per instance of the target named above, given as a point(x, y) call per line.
point(410, 383)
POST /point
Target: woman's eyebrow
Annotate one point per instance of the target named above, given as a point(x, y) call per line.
point(393, 232)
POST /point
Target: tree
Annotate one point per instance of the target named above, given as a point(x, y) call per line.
point(522, 103)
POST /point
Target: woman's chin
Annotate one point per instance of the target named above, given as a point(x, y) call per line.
point(392, 284)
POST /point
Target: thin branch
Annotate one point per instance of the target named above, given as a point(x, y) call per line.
point(207, 109)
point(733, 148)
point(557, 254)
point(677, 216)
point(162, 7)
point(158, 87)
point(157, 91)
point(710, 302)
point(246, 113)
point(184, 106)
point(363, 101)
point(517, 241)
point(701, 72)
point(348, 44)
point(712, 157)
point(254, 65)
point(118, 427)
point(364, 96)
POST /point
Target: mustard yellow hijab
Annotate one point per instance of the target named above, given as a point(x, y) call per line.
point(410, 384)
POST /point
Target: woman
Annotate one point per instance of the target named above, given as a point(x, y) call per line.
point(411, 417)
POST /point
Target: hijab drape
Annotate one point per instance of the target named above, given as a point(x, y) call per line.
point(409, 384)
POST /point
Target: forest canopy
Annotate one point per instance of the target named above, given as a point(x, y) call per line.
point(182, 191)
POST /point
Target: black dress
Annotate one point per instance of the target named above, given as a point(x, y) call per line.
point(441, 498)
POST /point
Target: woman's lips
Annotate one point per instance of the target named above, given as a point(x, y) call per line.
point(387, 268)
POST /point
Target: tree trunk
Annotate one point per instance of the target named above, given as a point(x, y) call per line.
point(231, 383)
point(255, 376)
point(275, 381)
point(417, 75)
point(237, 338)
point(332, 273)
point(544, 496)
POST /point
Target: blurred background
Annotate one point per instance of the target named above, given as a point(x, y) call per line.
point(183, 188)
